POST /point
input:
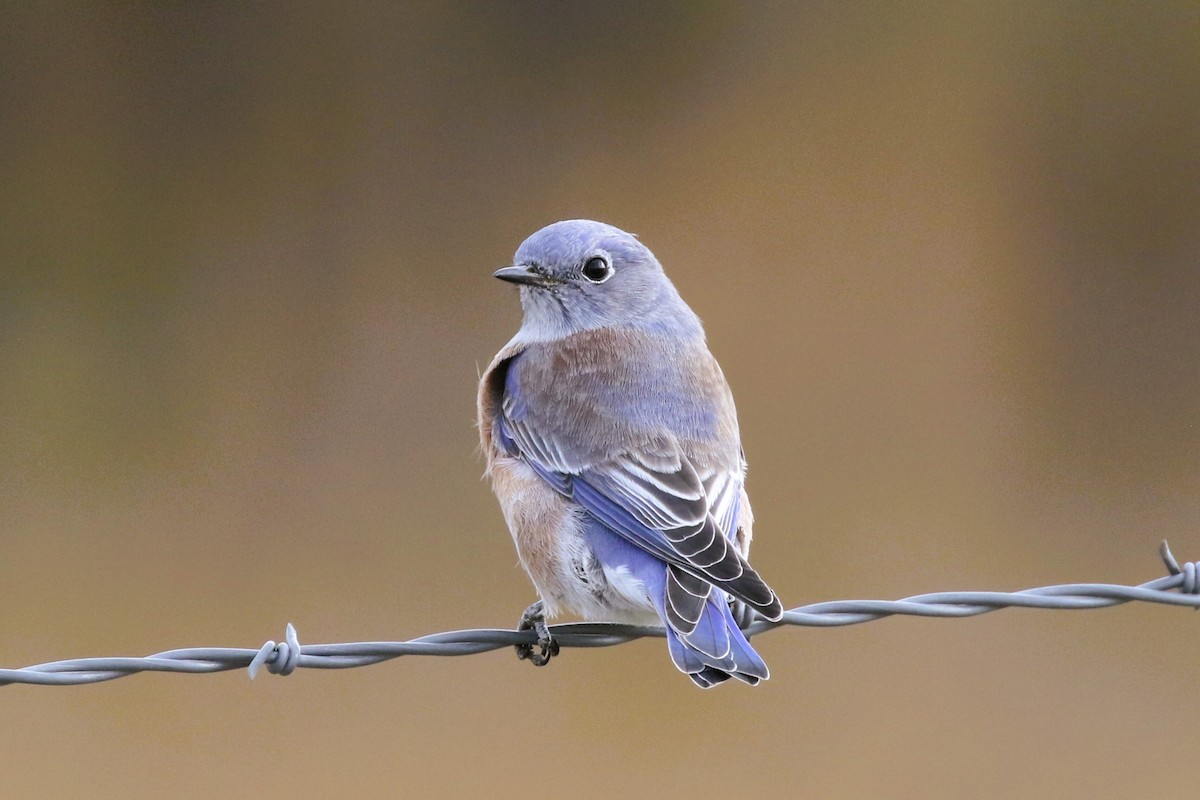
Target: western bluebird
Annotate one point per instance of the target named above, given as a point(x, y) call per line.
point(612, 445)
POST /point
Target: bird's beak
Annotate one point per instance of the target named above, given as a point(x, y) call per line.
point(525, 276)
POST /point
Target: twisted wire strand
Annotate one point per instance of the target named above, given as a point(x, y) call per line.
point(1180, 588)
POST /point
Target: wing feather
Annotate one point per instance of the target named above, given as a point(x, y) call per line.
point(645, 486)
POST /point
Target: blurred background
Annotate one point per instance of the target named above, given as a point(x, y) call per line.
point(947, 254)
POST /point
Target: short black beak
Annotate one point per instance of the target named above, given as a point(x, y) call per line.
point(525, 276)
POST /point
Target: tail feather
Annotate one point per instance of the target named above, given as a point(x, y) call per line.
point(703, 638)
point(710, 677)
point(711, 634)
point(716, 650)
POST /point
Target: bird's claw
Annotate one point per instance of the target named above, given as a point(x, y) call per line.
point(534, 619)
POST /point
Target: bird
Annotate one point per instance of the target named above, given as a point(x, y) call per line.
point(612, 445)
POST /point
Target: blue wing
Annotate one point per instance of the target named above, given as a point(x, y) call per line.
point(653, 497)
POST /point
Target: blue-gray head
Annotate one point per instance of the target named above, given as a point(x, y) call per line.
point(580, 275)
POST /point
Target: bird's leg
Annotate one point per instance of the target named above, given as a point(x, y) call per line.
point(534, 619)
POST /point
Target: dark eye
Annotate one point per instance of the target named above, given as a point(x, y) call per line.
point(597, 270)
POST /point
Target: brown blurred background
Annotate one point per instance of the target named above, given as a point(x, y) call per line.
point(946, 253)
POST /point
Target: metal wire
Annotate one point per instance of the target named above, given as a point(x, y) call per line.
point(1180, 588)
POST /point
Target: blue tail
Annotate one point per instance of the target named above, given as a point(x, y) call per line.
point(717, 649)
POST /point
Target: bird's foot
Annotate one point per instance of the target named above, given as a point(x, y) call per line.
point(534, 619)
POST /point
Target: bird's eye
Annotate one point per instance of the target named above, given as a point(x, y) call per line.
point(597, 270)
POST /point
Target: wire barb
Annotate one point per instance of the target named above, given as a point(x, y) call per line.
point(280, 659)
point(1190, 585)
point(1181, 587)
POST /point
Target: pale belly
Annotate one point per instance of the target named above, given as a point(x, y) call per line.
point(548, 532)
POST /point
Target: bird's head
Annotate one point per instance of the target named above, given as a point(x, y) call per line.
point(580, 275)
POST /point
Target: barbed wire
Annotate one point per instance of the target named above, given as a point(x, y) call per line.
point(1180, 588)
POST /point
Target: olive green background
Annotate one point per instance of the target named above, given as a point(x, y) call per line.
point(947, 254)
